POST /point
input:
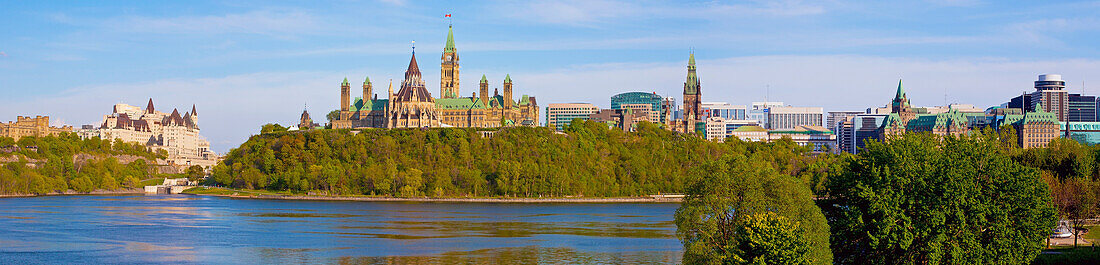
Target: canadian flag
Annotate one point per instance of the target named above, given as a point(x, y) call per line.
point(447, 15)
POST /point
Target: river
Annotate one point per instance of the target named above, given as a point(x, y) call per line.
point(202, 229)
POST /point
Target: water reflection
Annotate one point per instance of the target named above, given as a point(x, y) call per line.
point(192, 229)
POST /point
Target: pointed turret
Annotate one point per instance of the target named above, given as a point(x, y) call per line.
point(508, 91)
point(193, 113)
point(693, 112)
point(901, 91)
point(450, 40)
point(149, 108)
point(345, 81)
point(484, 80)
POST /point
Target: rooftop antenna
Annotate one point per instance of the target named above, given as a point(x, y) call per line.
point(414, 46)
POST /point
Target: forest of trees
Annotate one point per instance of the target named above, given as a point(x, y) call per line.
point(57, 171)
point(589, 159)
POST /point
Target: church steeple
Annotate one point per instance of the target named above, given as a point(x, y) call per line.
point(448, 68)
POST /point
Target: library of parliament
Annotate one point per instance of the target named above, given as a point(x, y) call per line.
point(414, 107)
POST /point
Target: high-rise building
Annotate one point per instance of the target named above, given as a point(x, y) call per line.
point(784, 118)
point(636, 99)
point(758, 111)
point(1082, 108)
point(852, 132)
point(668, 111)
point(693, 112)
point(1051, 94)
point(839, 116)
point(559, 115)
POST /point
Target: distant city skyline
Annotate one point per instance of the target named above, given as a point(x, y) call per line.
point(250, 63)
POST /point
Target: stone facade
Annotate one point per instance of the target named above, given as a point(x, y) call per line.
point(176, 134)
point(693, 111)
point(903, 118)
point(414, 107)
point(38, 126)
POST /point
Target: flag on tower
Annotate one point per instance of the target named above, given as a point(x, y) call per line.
point(447, 15)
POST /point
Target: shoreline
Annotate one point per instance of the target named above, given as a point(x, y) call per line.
point(457, 200)
point(74, 193)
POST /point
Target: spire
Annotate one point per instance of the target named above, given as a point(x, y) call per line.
point(484, 80)
point(149, 108)
point(450, 40)
point(507, 78)
point(413, 68)
point(193, 110)
point(901, 91)
point(691, 86)
point(345, 81)
point(366, 81)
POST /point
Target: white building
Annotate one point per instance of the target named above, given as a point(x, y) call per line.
point(781, 118)
point(177, 135)
point(724, 110)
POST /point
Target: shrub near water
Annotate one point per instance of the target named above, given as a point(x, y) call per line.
point(55, 170)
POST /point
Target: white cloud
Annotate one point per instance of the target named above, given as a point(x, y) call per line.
point(280, 23)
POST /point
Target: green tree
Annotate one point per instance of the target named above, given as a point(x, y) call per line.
point(195, 173)
point(727, 216)
point(925, 199)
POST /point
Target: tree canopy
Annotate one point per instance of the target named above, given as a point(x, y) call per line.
point(937, 200)
point(740, 210)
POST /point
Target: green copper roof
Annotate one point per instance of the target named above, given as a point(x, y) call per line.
point(369, 105)
point(345, 81)
point(459, 103)
point(901, 91)
point(691, 87)
point(507, 78)
point(366, 81)
point(484, 80)
point(750, 128)
point(450, 40)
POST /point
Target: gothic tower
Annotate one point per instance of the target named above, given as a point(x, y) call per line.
point(900, 105)
point(692, 101)
point(345, 95)
point(484, 91)
point(367, 91)
point(507, 91)
point(448, 79)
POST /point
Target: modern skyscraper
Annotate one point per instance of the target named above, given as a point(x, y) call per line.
point(1051, 94)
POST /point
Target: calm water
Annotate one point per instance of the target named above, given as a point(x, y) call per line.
point(198, 229)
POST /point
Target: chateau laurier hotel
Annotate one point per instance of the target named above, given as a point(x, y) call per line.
point(414, 107)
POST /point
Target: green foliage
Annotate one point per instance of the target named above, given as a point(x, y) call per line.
point(272, 128)
point(740, 210)
point(931, 200)
point(332, 115)
point(49, 165)
point(195, 173)
point(590, 160)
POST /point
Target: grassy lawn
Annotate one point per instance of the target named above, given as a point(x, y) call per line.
point(1068, 255)
point(226, 191)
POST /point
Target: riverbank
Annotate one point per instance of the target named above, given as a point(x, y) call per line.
point(263, 195)
point(71, 192)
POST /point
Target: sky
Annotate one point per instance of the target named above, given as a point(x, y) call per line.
point(245, 63)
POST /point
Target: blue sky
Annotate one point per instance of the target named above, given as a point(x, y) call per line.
point(246, 63)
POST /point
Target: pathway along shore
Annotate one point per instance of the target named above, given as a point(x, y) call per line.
point(648, 199)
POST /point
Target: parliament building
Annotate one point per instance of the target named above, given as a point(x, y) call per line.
point(412, 106)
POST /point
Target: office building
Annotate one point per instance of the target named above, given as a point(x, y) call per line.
point(724, 110)
point(839, 116)
point(783, 118)
point(634, 100)
point(560, 114)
